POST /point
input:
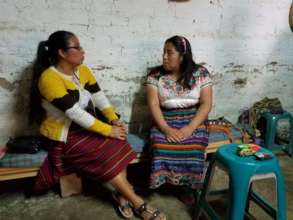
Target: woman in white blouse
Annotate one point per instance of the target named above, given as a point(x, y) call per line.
point(179, 97)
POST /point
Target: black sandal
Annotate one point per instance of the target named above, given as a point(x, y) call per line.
point(155, 213)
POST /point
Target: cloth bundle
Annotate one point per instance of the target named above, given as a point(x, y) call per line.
point(24, 144)
point(222, 125)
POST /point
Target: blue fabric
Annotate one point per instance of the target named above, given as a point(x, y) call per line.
point(23, 160)
point(221, 136)
point(137, 142)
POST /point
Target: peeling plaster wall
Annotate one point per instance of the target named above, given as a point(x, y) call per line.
point(247, 46)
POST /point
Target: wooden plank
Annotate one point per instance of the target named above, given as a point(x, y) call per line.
point(212, 147)
point(17, 173)
point(17, 170)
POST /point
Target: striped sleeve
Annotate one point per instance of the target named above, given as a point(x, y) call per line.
point(98, 96)
point(102, 103)
point(52, 88)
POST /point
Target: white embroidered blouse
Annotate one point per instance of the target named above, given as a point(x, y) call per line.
point(173, 95)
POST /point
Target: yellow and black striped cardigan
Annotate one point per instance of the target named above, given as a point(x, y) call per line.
point(61, 98)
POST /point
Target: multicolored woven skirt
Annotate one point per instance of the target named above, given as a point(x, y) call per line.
point(179, 163)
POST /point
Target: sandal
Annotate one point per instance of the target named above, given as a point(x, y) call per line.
point(124, 208)
point(145, 210)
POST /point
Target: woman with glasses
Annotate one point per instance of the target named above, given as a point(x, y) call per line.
point(64, 98)
point(179, 97)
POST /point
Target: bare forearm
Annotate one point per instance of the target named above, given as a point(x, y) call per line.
point(172, 134)
point(154, 106)
point(201, 115)
point(158, 117)
point(206, 100)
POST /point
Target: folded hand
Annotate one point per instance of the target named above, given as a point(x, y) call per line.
point(118, 132)
point(186, 131)
point(120, 124)
point(173, 135)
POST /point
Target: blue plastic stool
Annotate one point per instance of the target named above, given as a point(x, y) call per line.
point(271, 130)
point(242, 172)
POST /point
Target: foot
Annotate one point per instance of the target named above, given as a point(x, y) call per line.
point(147, 212)
point(124, 206)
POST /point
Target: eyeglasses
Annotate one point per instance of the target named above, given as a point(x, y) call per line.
point(75, 47)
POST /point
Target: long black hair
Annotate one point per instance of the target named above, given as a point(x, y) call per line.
point(47, 55)
point(187, 66)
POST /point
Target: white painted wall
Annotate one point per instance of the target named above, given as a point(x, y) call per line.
point(246, 39)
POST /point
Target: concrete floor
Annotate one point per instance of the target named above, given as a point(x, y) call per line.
point(94, 202)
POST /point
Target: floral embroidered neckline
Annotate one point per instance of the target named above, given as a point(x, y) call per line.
point(169, 83)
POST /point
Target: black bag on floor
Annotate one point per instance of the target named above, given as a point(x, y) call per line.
point(24, 144)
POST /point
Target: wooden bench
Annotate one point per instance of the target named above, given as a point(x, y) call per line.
point(138, 143)
point(72, 184)
point(17, 173)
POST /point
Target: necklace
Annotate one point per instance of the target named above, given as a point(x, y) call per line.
point(75, 79)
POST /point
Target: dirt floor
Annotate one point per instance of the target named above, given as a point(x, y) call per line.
point(95, 202)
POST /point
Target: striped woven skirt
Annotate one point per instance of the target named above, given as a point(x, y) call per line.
point(86, 153)
point(179, 163)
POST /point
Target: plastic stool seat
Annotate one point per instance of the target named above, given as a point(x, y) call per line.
point(271, 129)
point(242, 172)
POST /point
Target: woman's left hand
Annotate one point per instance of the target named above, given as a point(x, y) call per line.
point(186, 131)
point(119, 123)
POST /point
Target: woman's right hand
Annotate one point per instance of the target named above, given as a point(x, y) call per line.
point(173, 135)
point(119, 124)
point(118, 132)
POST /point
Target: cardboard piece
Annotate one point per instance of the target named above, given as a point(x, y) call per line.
point(70, 184)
